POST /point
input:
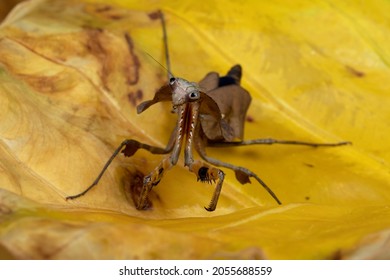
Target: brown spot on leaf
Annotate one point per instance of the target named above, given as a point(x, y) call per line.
point(107, 12)
point(133, 187)
point(155, 15)
point(140, 94)
point(250, 119)
point(96, 48)
point(49, 84)
point(113, 54)
point(132, 70)
point(135, 97)
point(308, 164)
point(104, 8)
point(355, 72)
point(116, 17)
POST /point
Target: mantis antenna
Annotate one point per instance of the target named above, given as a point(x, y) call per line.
point(165, 39)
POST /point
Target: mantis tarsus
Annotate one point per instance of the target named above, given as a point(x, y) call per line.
point(211, 114)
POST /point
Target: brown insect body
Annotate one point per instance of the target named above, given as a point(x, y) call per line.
point(196, 111)
point(202, 122)
point(209, 114)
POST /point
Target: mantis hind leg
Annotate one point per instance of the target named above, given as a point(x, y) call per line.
point(243, 174)
point(271, 141)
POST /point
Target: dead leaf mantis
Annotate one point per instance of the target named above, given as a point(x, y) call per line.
point(210, 114)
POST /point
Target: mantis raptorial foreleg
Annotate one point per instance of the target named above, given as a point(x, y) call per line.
point(209, 174)
point(242, 174)
point(152, 180)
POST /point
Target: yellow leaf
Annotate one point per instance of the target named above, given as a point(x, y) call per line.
point(72, 73)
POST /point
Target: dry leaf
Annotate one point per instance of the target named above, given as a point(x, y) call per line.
point(72, 73)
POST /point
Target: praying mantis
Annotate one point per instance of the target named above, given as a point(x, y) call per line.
point(209, 114)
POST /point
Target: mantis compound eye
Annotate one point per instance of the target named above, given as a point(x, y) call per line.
point(194, 95)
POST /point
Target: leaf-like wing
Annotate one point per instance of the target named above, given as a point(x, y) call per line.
point(214, 127)
point(163, 94)
point(233, 102)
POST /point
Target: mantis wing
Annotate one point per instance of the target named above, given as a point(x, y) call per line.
point(163, 94)
point(214, 127)
point(232, 101)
